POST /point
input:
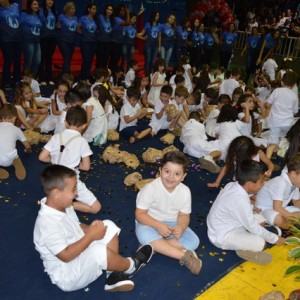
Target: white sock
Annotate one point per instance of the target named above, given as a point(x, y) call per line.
point(131, 268)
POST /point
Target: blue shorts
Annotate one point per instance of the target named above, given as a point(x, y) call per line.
point(129, 131)
point(146, 234)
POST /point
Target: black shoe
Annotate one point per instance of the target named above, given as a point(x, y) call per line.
point(274, 229)
point(118, 282)
point(141, 257)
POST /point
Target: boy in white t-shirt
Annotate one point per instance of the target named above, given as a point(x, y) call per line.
point(73, 253)
point(274, 198)
point(283, 105)
point(9, 135)
point(130, 113)
point(130, 75)
point(269, 67)
point(231, 223)
point(230, 83)
point(70, 149)
point(163, 209)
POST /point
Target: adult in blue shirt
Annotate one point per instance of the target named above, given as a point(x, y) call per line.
point(210, 40)
point(269, 44)
point(67, 25)
point(151, 33)
point(168, 36)
point(48, 17)
point(122, 18)
point(88, 28)
point(106, 24)
point(182, 34)
point(197, 42)
point(228, 39)
point(10, 40)
point(252, 46)
point(129, 34)
point(31, 28)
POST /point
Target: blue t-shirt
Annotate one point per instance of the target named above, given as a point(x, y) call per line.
point(105, 29)
point(68, 30)
point(271, 42)
point(209, 41)
point(167, 35)
point(254, 43)
point(152, 33)
point(31, 27)
point(198, 38)
point(117, 32)
point(88, 29)
point(10, 30)
point(48, 24)
point(182, 36)
point(129, 33)
point(228, 39)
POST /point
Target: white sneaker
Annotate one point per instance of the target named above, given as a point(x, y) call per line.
point(51, 83)
point(208, 163)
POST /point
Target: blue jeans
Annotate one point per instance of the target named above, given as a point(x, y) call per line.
point(166, 53)
point(128, 51)
point(150, 56)
point(12, 52)
point(32, 55)
point(67, 50)
point(88, 51)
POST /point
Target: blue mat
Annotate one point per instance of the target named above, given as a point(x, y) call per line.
point(22, 275)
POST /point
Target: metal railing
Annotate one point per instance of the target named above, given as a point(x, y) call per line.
point(288, 47)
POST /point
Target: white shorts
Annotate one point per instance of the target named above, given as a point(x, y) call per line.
point(270, 214)
point(276, 133)
point(84, 195)
point(88, 266)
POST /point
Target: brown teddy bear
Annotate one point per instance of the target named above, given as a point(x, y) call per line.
point(132, 179)
point(33, 137)
point(152, 155)
point(112, 135)
point(168, 138)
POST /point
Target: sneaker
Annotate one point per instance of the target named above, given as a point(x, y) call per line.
point(191, 261)
point(260, 258)
point(118, 282)
point(208, 163)
point(274, 229)
point(141, 257)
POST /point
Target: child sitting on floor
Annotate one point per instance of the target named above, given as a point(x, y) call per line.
point(73, 253)
point(195, 142)
point(231, 222)
point(130, 113)
point(69, 148)
point(274, 198)
point(163, 210)
point(9, 135)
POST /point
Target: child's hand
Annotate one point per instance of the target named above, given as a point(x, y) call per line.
point(177, 231)
point(268, 173)
point(164, 230)
point(214, 184)
point(43, 111)
point(97, 230)
point(28, 150)
point(280, 241)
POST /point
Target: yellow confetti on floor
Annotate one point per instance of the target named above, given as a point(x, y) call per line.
point(250, 281)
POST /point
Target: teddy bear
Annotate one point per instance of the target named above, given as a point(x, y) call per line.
point(132, 179)
point(139, 185)
point(112, 135)
point(168, 138)
point(113, 154)
point(152, 155)
point(33, 137)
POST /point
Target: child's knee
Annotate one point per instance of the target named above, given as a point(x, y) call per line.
point(95, 207)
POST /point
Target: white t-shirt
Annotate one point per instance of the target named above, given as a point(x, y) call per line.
point(9, 135)
point(278, 188)
point(162, 123)
point(284, 105)
point(162, 205)
point(129, 77)
point(232, 210)
point(128, 110)
point(35, 87)
point(270, 67)
point(211, 122)
point(73, 152)
point(228, 86)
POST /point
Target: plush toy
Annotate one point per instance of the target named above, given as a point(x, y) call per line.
point(168, 138)
point(132, 179)
point(169, 149)
point(113, 154)
point(152, 155)
point(33, 137)
point(138, 186)
point(274, 295)
point(171, 111)
point(112, 135)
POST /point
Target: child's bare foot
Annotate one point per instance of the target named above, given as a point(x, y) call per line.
point(132, 140)
point(136, 134)
point(3, 174)
point(19, 169)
